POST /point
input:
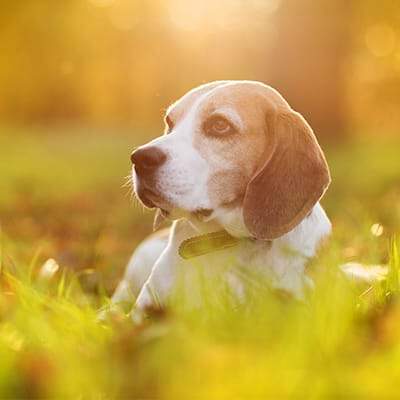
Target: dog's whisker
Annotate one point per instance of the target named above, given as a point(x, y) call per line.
point(128, 181)
point(128, 184)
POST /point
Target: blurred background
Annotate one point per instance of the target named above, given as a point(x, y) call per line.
point(84, 81)
point(120, 62)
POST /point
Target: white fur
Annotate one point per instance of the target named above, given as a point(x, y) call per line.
point(183, 178)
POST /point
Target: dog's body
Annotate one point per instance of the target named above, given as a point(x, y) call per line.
point(234, 158)
point(156, 261)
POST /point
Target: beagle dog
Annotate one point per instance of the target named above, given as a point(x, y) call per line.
point(241, 174)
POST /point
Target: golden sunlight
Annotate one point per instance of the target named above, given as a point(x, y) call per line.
point(101, 3)
point(190, 15)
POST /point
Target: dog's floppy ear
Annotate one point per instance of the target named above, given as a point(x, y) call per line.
point(292, 179)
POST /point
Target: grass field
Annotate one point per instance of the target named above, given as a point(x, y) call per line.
point(61, 198)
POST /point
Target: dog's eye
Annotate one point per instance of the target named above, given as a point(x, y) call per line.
point(218, 126)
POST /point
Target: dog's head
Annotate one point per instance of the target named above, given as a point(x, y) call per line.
point(233, 151)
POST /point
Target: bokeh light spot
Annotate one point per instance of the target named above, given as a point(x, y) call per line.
point(377, 230)
point(66, 68)
point(380, 40)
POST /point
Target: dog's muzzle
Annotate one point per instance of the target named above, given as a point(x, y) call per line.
point(146, 162)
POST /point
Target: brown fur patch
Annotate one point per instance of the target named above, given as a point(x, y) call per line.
point(292, 180)
point(177, 110)
point(233, 160)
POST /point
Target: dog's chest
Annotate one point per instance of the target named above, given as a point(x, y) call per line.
point(280, 263)
point(248, 259)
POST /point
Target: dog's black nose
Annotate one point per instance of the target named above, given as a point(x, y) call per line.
point(148, 159)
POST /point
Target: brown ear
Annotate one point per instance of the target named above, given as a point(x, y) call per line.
point(292, 179)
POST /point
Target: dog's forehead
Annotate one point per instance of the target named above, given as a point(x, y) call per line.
point(243, 96)
point(239, 97)
point(177, 109)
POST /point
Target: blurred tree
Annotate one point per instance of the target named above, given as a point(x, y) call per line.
point(309, 59)
point(373, 79)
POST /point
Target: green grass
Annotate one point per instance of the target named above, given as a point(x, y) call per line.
point(61, 198)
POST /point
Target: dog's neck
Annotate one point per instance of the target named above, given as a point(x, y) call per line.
point(304, 238)
point(228, 219)
point(214, 232)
